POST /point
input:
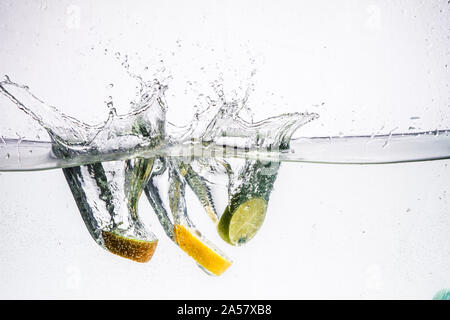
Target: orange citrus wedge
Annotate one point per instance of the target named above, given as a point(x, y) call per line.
point(133, 249)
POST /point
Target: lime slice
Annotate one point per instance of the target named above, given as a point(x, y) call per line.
point(133, 249)
point(201, 251)
point(240, 226)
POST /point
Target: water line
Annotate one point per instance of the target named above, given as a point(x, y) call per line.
point(28, 155)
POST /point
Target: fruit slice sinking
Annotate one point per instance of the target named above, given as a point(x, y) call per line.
point(240, 226)
point(133, 249)
point(206, 255)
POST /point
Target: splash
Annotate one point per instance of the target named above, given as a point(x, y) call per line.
point(117, 134)
point(229, 162)
point(109, 165)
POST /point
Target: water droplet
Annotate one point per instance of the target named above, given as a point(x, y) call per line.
point(7, 156)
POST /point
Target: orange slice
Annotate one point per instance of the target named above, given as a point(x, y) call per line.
point(133, 249)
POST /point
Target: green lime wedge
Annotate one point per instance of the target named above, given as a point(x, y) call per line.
point(238, 227)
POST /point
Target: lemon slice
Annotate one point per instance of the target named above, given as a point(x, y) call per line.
point(206, 255)
point(238, 227)
point(133, 249)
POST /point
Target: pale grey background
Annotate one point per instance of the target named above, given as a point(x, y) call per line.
point(331, 231)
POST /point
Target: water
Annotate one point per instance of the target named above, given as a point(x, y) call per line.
point(25, 155)
point(218, 131)
point(224, 158)
point(108, 166)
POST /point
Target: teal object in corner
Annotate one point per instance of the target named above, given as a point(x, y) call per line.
point(443, 294)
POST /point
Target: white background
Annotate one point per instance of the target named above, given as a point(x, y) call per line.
point(331, 231)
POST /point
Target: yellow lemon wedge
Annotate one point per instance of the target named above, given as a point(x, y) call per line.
point(206, 255)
